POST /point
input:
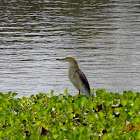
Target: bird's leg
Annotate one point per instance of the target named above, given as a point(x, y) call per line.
point(79, 92)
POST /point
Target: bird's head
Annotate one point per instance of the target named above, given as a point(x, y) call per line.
point(69, 59)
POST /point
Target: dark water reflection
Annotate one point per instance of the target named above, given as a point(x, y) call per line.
point(102, 35)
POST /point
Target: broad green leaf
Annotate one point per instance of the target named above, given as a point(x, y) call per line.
point(14, 94)
point(66, 91)
point(52, 92)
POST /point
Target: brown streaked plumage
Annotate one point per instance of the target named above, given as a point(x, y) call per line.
point(76, 76)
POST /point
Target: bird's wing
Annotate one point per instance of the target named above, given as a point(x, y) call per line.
point(83, 79)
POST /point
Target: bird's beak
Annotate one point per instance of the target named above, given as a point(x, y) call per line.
point(60, 59)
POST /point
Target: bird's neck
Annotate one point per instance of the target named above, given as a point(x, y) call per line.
point(73, 66)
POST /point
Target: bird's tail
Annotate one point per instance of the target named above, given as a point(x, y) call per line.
point(89, 94)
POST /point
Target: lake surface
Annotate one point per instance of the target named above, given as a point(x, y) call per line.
point(103, 36)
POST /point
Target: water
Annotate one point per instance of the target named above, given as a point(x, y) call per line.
point(103, 36)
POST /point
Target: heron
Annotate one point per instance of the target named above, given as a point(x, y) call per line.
point(76, 76)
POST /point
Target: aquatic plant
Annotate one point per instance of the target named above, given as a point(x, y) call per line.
point(104, 116)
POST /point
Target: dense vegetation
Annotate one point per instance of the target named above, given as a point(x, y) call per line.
point(107, 116)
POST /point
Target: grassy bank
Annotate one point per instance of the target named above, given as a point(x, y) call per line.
point(106, 116)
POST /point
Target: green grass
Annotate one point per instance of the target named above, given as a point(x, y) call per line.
point(108, 116)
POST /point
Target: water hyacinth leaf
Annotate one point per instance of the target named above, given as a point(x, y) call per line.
point(55, 136)
point(107, 103)
point(9, 93)
point(123, 102)
point(115, 102)
point(134, 95)
point(38, 123)
point(52, 91)
point(1, 94)
point(99, 101)
point(136, 108)
point(69, 117)
point(14, 94)
point(98, 93)
point(131, 113)
point(123, 114)
point(110, 116)
point(101, 114)
point(70, 109)
point(92, 91)
point(66, 91)
point(138, 135)
point(117, 95)
point(1, 133)
point(6, 95)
